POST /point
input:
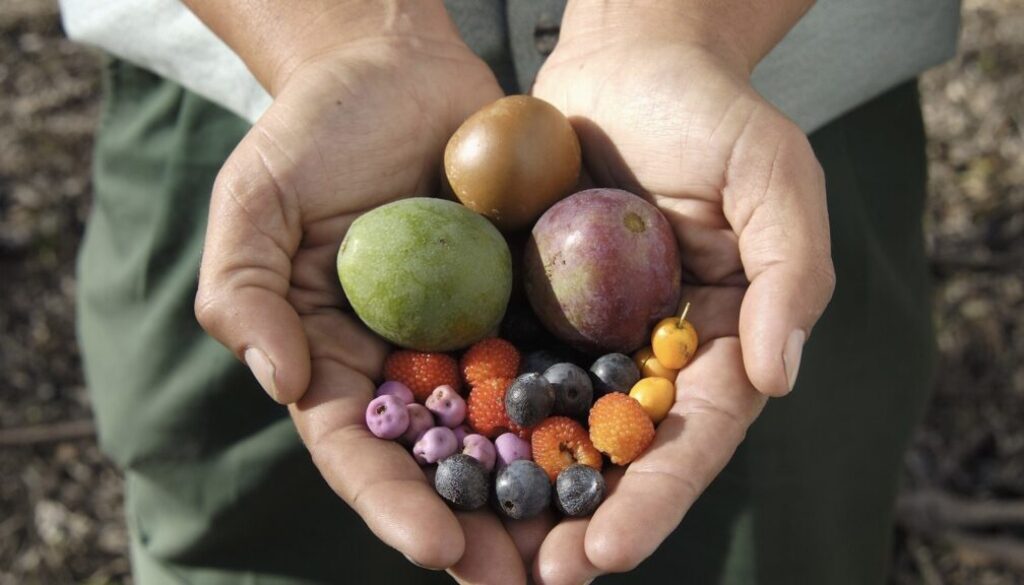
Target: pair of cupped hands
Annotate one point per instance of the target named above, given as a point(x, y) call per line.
point(366, 123)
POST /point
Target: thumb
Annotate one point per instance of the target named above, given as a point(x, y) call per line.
point(252, 235)
point(775, 201)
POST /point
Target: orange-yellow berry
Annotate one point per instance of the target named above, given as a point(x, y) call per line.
point(620, 428)
point(656, 396)
point(559, 441)
point(674, 341)
point(651, 367)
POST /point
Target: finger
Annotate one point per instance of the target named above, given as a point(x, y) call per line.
point(252, 234)
point(775, 200)
point(715, 404)
point(527, 535)
point(561, 559)
point(491, 556)
point(378, 479)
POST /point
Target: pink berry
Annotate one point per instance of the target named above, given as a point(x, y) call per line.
point(387, 417)
point(480, 448)
point(447, 406)
point(396, 389)
point(420, 421)
point(461, 432)
point(510, 447)
point(434, 445)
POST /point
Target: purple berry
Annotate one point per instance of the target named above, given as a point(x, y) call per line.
point(614, 372)
point(386, 417)
point(435, 445)
point(574, 392)
point(420, 421)
point(396, 389)
point(510, 447)
point(447, 406)
point(480, 448)
point(529, 399)
point(461, 432)
point(462, 482)
point(579, 489)
point(522, 489)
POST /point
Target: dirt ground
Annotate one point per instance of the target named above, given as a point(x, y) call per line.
point(962, 514)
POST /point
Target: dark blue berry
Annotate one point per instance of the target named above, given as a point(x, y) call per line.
point(579, 489)
point(462, 481)
point(529, 400)
point(614, 372)
point(574, 393)
point(522, 489)
point(538, 361)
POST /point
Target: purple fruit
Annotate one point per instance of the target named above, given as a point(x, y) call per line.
point(510, 447)
point(461, 432)
point(396, 389)
point(579, 490)
point(614, 372)
point(435, 445)
point(462, 482)
point(447, 406)
point(480, 448)
point(574, 393)
point(602, 267)
point(529, 400)
point(386, 417)
point(522, 489)
point(420, 421)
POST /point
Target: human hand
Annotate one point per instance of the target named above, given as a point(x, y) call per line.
point(676, 120)
point(353, 125)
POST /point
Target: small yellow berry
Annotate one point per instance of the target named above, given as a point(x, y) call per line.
point(655, 395)
point(650, 367)
point(674, 341)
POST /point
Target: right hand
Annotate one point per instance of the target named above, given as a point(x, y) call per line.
point(350, 129)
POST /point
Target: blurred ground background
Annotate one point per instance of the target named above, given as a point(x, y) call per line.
point(962, 514)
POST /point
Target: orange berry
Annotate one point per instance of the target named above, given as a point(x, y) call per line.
point(490, 358)
point(558, 442)
point(620, 428)
point(422, 371)
point(650, 366)
point(485, 408)
point(674, 341)
point(656, 396)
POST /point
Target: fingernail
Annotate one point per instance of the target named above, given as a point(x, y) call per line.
point(262, 368)
point(792, 353)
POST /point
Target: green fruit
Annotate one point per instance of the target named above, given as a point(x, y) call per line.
point(426, 274)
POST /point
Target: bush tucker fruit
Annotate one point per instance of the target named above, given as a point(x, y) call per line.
point(558, 442)
point(447, 406)
point(511, 448)
point(480, 448)
point(655, 395)
point(674, 341)
point(386, 417)
point(435, 445)
point(486, 407)
point(529, 400)
point(574, 393)
point(421, 372)
point(396, 389)
point(420, 421)
point(426, 274)
point(601, 267)
point(620, 428)
point(613, 372)
point(462, 482)
point(650, 366)
point(522, 489)
point(513, 159)
point(579, 489)
point(490, 358)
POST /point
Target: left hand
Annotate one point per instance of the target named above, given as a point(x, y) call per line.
point(679, 124)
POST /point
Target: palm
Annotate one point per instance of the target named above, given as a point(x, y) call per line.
point(670, 124)
point(346, 134)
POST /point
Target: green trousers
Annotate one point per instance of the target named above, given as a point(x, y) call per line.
point(220, 490)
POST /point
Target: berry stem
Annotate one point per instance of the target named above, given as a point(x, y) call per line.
point(682, 318)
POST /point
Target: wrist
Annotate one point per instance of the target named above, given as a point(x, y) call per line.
point(739, 33)
point(276, 38)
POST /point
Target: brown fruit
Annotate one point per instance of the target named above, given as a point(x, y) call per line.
point(512, 160)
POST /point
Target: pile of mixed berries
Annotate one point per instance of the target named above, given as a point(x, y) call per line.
point(532, 421)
